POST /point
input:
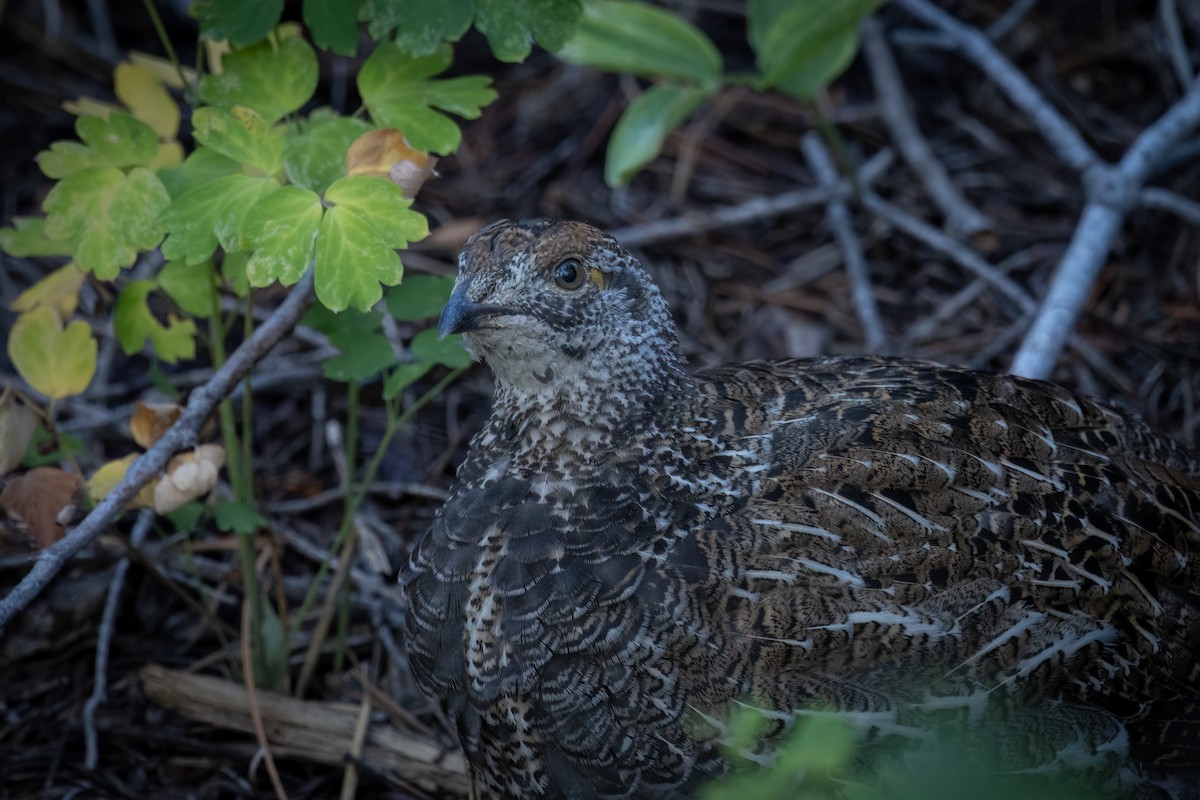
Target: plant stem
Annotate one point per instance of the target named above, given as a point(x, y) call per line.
point(161, 30)
point(247, 456)
point(355, 497)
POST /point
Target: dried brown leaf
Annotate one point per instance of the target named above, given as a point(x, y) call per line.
point(17, 424)
point(151, 420)
point(386, 153)
point(42, 502)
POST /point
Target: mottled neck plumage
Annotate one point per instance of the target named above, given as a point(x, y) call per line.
point(590, 405)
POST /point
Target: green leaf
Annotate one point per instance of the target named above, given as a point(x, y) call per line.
point(210, 214)
point(106, 216)
point(233, 273)
point(352, 261)
point(315, 156)
point(803, 46)
point(242, 135)
point(419, 297)
point(119, 141)
point(361, 358)
point(239, 21)
point(397, 90)
point(160, 381)
point(333, 24)
point(234, 517)
point(270, 656)
point(422, 24)
point(134, 323)
point(190, 286)
point(187, 516)
point(27, 238)
point(56, 361)
point(623, 36)
point(427, 347)
point(643, 128)
point(281, 230)
point(511, 28)
point(381, 203)
point(365, 352)
point(403, 376)
point(274, 79)
point(44, 449)
point(201, 166)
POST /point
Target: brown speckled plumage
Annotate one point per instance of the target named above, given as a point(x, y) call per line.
point(630, 551)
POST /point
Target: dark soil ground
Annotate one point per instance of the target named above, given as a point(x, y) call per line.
point(761, 287)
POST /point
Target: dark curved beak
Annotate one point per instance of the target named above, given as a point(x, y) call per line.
point(461, 315)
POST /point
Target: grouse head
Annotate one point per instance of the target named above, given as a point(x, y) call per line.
point(560, 311)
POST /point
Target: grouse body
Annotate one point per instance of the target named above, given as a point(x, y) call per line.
point(630, 551)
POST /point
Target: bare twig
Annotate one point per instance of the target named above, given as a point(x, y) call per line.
point(1186, 209)
point(840, 221)
point(724, 217)
point(1176, 47)
point(1010, 19)
point(958, 252)
point(749, 211)
point(974, 44)
point(963, 220)
point(152, 463)
point(967, 258)
point(108, 624)
point(1112, 192)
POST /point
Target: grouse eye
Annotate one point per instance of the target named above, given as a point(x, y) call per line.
point(569, 274)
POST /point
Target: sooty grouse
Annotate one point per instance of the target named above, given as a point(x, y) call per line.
point(630, 551)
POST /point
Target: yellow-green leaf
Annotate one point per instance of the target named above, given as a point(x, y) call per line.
point(28, 238)
point(352, 261)
point(144, 95)
point(281, 229)
point(106, 216)
point(58, 291)
point(56, 361)
point(241, 134)
point(116, 141)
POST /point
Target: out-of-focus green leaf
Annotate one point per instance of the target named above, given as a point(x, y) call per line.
point(419, 297)
point(27, 238)
point(427, 347)
point(134, 323)
point(420, 25)
point(400, 93)
point(333, 24)
point(625, 36)
point(643, 128)
point(511, 28)
point(191, 286)
point(274, 79)
point(803, 46)
point(402, 376)
point(234, 517)
point(106, 216)
point(242, 22)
